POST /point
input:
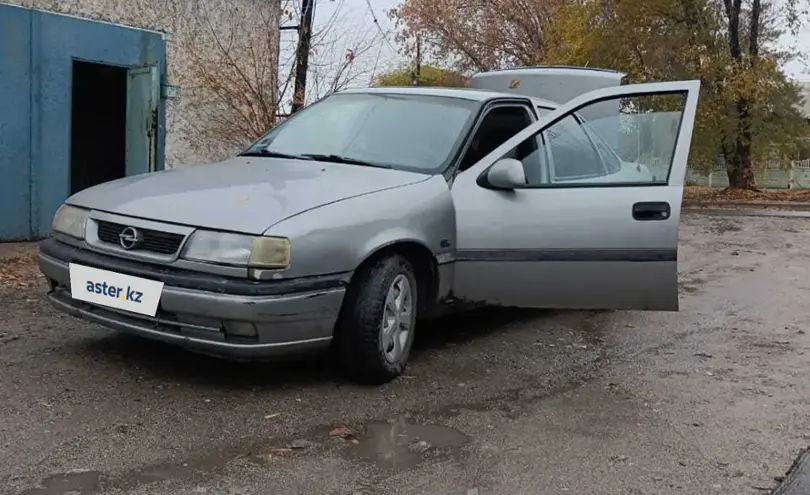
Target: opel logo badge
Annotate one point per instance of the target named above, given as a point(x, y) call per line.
point(130, 238)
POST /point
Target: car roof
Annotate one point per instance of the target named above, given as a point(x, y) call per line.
point(473, 94)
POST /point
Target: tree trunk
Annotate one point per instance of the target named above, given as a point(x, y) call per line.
point(740, 172)
point(739, 168)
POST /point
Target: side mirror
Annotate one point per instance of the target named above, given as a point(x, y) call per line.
point(505, 174)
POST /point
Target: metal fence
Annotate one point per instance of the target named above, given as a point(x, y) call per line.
point(794, 176)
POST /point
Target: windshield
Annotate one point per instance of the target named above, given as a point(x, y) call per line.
point(410, 132)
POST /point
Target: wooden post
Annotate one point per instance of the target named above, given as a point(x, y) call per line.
point(417, 73)
point(302, 55)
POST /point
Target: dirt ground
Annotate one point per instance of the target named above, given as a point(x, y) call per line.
point(713, 399)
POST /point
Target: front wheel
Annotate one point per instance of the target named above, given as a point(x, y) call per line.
point(376, 326)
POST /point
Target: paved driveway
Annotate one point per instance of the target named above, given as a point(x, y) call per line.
point(713, 399)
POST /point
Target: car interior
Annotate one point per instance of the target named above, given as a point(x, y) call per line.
point(498, 125)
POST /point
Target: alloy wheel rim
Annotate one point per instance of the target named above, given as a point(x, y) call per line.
point(395, 329)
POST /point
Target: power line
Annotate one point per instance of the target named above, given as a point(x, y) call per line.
point(376, 64)
point(377, 23)
point(333, 18)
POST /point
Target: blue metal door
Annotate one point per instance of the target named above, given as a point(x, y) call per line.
point(37, 50)
point(143, 95)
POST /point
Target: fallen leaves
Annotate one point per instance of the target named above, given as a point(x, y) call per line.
point(345, 433)
point(19, 270)
point(703, 194)
point(340, 431)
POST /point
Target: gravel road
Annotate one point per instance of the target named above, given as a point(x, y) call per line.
point(711, 399)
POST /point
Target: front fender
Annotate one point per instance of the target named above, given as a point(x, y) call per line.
point(338, 237)
point(389, 238)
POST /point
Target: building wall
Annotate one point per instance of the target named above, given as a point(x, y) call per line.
point(36, 53)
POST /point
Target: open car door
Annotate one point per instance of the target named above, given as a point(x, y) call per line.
point(587, 215)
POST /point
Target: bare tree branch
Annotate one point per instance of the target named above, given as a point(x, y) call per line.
point(226, 56)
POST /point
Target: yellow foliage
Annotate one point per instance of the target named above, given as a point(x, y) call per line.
point(429, 75)
point(746, 109)
point(658, 41)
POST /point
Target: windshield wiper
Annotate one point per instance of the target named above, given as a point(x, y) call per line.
point(274, 154)
point(343, 159)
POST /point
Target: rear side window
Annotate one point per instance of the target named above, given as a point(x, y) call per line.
point(572, 154)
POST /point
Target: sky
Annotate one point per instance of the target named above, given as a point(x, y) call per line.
point(351, 24)
point(354, 20)
point(360, 14)
point(799, 69)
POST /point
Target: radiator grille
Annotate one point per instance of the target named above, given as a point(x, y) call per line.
point(154, 241)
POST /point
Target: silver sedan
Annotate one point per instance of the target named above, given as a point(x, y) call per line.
point(373, 208)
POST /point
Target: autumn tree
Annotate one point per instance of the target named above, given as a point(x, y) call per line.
point(240, 81)
point(340, 58)
point(759, 92)
point(477, 35)
point(747, 110)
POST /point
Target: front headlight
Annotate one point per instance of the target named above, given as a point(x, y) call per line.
point(70, 220)
point(270, 253)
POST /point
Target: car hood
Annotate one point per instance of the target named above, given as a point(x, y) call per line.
point(243, 194)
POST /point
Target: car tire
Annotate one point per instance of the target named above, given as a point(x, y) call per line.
point(376, 326)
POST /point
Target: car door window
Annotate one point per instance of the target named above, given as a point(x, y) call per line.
point(499, 124)
point(623, 140)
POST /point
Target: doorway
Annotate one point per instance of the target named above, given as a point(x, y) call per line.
point(98, 124)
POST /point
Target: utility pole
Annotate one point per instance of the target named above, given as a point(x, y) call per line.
point(417, 73)
point(302, 55)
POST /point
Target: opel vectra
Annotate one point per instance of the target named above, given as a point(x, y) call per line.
point(372, 208)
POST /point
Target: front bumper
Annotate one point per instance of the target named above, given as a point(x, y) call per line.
point(197, 311)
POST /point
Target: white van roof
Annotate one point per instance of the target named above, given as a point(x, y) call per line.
point(556, 83)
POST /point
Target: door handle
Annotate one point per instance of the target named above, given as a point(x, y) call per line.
point(652, 210)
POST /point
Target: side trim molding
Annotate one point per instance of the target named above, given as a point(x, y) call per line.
point(630, 255)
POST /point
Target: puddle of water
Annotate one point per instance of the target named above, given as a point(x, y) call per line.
point(68, 483)
point(390, 445)
point(401, 445)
